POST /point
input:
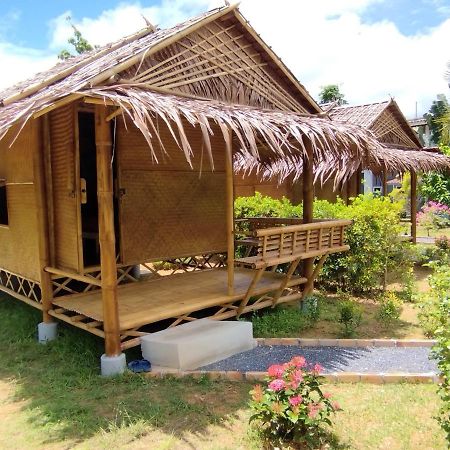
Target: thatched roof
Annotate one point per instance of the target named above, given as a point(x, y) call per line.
point(384, 119)
point(210, 68)
point(261, 136)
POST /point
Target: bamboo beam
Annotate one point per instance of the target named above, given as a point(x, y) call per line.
point(46, 142)
point(107, 233)
point(384, 174)
point(413, 207)
point(308, 199)
point(42, 224)
point(230, 211)
point(76, 276)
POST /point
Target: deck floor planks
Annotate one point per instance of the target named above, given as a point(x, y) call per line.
point(171, 296)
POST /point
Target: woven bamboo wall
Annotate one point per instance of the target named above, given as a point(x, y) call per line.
point(65, 201)
point(249, 184)
point(168, 210)
point(18, 241)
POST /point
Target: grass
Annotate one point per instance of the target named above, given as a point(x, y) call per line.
point(52, 397)
point(289, 321)
point(423, 232)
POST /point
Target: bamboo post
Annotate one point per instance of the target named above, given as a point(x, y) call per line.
point(230, 213)
point(384, 175)
point(413, 207)
point(106, 232)
point(308, 200)
point(45, 280)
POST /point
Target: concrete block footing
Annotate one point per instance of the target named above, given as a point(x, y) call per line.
point(47, 331)
point(112, 365)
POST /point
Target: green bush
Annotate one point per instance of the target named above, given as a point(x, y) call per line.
point(375, 246)
point(435, 317)
point(281, 322)
point(390, 308)
point(350, 316)
point(374, 238)
point(264, 206)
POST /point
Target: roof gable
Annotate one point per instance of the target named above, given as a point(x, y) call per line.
point(384, 119)
point(221, 60)
point(222, 68)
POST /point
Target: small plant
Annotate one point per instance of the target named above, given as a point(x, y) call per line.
point(390, 308)
point(292, 407)
point(443, 243)
point(310, 307)
point(280, 322)
point(350, 315)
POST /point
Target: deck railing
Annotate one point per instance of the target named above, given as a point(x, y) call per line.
point(283, 243)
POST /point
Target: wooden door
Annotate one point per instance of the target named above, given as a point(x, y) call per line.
point(65, 188)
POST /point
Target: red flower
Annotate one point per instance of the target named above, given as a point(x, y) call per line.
point(275, 371)
point(298, 361)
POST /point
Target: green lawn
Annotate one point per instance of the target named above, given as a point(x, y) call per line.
point(52, 397)
point(423, 232)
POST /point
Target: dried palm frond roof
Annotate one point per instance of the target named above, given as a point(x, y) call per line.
point(384, 119)
point(130, 55)
point(265, 136)
point(340, 169)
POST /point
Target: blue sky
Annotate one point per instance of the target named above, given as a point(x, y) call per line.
point(372, 48)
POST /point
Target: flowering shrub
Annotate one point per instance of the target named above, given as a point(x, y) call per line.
point(434, 215)
point(292, 407)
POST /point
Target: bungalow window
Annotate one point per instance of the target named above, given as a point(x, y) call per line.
point(3, 203)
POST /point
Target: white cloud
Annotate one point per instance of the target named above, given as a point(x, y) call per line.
point(322, 42)
point(21, 63)
point(326, 42)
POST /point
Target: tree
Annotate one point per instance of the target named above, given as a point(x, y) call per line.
point(331, 93)
point(80, 44)
point(435, 185)
point(436, 117)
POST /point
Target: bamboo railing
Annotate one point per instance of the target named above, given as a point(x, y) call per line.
point(281, 244)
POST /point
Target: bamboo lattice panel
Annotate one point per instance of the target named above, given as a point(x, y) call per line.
point(220, 60)
point(166, 215)
point(65, 204)
point(388, 129)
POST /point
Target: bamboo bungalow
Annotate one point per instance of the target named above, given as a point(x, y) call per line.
point(123, 157)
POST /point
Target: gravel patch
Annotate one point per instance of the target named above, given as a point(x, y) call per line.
point(333, 359)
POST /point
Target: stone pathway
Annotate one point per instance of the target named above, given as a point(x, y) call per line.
point(333, 359)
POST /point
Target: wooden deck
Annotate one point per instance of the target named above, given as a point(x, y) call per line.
point(175, 296)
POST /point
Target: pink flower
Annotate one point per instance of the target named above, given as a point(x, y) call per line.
point(297, 376)
point(336, 406)
point(294, 401)
point(313, 409)
point(327, 395)
point(298, 361)
point(277, 385)
point(275, 371)
point(317, 369)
